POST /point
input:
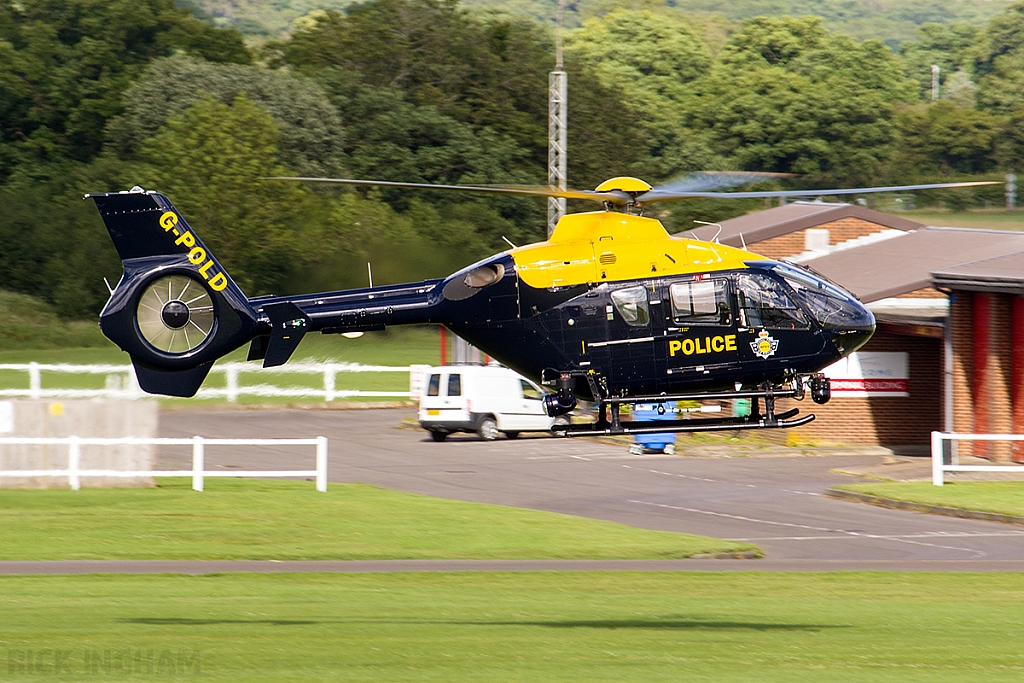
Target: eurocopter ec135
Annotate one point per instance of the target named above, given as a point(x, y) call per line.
point(610, 309)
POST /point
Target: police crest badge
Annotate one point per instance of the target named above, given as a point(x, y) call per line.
point(765, 345)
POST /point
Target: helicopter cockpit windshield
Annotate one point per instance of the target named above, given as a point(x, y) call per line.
point(832, 307)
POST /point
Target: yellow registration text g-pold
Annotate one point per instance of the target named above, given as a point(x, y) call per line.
point(196, 254)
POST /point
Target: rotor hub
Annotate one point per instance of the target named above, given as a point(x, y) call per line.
point(175, 314)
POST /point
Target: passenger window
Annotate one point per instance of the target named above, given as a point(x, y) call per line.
point(704, 302)
point(531, 392)
point(764, 303)
point(631, 304)
point(455, 385)
point(434, 386)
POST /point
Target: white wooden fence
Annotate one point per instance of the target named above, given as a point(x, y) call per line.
point(939, 466)
point(74, 472)
point(121, 381)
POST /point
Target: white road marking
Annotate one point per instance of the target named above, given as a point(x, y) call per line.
point(941, 534)
point(977, 553)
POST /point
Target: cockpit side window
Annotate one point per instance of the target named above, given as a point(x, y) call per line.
point(827, 304)
point(700, 302)
point(763, 302)
point(631, 303)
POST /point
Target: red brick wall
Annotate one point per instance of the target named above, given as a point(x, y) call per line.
point(838, 231)
point(1000, 356)
point(963, 366)
point(887, 421)
point(997, 411)
point(926, 293)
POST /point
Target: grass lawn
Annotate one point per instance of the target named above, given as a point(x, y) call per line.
point(530, 627)
point(257, 519)
point(1005, 497)
point(989, 220)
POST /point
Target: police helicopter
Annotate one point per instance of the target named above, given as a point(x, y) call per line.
point(610, 309)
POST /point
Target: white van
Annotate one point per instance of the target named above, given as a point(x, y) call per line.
point(481, 399)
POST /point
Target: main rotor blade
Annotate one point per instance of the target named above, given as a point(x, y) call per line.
point(656, 196)
point(706, 181)
point(520, 190)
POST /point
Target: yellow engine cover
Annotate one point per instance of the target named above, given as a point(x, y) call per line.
point(607, 246)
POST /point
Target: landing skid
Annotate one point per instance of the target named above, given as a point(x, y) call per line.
point(699, 425)
point(769, 420)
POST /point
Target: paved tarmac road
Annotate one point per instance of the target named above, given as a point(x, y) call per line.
point(775, 502)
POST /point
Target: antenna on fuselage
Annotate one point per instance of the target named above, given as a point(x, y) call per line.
point(713, 240)
point(718, 225)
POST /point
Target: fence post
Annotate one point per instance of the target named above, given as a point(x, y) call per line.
point(231, 375)
point(321, 463)
point(329, 376)
point(198, 463)
point(74, 463)
point(35, 381)
point(134, 390)
point(937, 458)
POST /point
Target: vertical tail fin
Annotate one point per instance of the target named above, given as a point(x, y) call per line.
point(175, 309)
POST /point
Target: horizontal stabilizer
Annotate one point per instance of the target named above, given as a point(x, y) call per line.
point(183, 383)
point(288, 327)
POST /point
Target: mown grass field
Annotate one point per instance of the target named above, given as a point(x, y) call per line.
point(257, 519)
point(1005, 497)
point(530, 627)
point(988, 220)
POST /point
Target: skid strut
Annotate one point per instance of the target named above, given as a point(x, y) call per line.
point(769, 420)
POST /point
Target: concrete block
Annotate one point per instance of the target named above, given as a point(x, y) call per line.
point(100, 418)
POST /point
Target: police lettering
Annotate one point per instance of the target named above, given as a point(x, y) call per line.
point(196, 254)
point(702, 345)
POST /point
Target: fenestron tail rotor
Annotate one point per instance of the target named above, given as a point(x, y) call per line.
point(175, 314)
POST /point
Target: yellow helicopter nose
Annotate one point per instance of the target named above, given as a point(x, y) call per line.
point(623, 184)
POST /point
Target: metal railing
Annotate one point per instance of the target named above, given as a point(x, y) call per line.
point(74, 472)
point(940, 467)
point(122, 382)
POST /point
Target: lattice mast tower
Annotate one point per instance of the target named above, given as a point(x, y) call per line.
point(558, 90)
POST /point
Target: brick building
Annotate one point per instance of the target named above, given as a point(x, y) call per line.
point(806, 229)
point(963, 363)
point(987, 340)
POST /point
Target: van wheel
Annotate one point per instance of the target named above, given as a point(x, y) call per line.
point(487, 429)
point(511, 435)
point(438, 436)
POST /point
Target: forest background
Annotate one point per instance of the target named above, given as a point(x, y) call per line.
point(202, 98)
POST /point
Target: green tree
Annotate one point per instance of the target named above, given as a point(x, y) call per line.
point(54, 244)
point(209, 160)
point(486, 70)
point(648, 56)
point(1000, 63)
point(788, 96)
point(951, 48)
point(65, 63)
point(944, 138)
point(311, 138)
